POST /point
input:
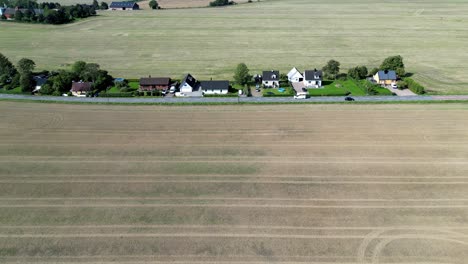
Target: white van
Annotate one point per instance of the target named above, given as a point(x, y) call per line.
point(301, 96)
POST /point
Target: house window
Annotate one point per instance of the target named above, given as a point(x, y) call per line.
point(266, 82)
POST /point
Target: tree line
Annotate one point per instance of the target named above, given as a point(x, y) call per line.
point(59, 82)
point(30, 11)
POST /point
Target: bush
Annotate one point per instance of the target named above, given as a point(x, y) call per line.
point(116, 94)
point(414, 86)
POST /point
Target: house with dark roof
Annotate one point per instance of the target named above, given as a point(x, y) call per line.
point(80, 89)
point(270, 79)
point(124, 6)
point(40, 80)
point(214, 87)
point(153, 84)
point(313, 78)
point(189, 85)
point(385, 77)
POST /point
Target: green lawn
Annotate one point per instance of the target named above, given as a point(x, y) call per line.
point(210, 42)
point(133, 86)
point(17, 90)
point(289, 92)
point(341, 88)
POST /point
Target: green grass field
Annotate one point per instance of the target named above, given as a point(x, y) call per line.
point(273, 34)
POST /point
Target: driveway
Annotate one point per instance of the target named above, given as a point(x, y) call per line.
point(298, 87)
point(398, 92)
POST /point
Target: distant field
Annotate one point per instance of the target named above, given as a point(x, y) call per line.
point(144, 4)
point(233, 184)
point(275, 34)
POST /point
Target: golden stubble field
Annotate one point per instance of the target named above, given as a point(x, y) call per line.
point(233, 184)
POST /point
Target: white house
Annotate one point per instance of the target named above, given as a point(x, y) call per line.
point(295, 75)
point(214, 87)
point(313, 79)
point(189, 84)
point(270, 79)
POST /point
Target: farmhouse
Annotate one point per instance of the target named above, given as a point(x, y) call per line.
point(214, 87)
point(80, 89)
point(124, 6)
point(295, 75)
point(270, 79)
point(153, 84)
point(385, 77)
point(313, 79)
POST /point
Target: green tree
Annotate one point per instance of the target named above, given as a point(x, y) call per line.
point(25, 66)
point(61, 83)
point(363, 72)
point(7, 70)
point(241, 75)
point(153, 4)
point(332, 68)
point(393, 63)
point(78, 68)
point(104, 6)
point(26, 82)
point(3, 17)
point(95, 4)
point(19, 15)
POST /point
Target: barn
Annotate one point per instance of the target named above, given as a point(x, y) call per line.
point(124, 6)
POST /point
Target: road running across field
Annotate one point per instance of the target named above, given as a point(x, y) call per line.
point(189, 100)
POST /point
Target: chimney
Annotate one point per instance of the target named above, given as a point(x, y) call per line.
point(386, 71)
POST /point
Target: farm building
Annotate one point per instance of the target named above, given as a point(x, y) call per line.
point(385, 77)
point(153, 84)
point(124, 6)
point(214, 87)
point(270, 79)
point(295, 75)
point(313, 79)
point(80, 89)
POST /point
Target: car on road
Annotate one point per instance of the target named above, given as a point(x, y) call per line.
point(349, 99)
point(301, 96)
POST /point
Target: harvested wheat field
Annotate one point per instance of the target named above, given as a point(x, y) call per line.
point(233, 184)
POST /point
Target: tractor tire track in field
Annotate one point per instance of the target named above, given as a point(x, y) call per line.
point(280, 184)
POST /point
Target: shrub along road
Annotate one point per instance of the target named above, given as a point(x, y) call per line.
point(189, 100)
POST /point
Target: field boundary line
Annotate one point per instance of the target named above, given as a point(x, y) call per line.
point(235, 206)
point(237, 181)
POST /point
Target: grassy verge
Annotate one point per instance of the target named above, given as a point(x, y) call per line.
point(17, 90)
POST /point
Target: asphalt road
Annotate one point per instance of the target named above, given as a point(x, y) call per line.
point(232, 99)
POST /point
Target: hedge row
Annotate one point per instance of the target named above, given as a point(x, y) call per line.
point(220, 95)
point(414, 86)
point(129, 94)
